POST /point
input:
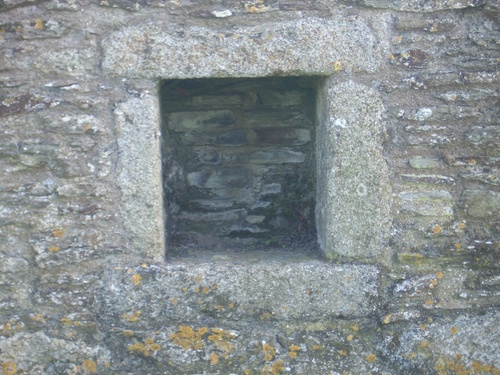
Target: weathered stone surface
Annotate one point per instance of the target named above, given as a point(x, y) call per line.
point(353, 183)
point(304, 291)
point(441, 344)
point(427, 203)
point(421, 6)
point(312, 47)
point(81, 191)
point(481, 204)
point(139, 173)
point(419, 162)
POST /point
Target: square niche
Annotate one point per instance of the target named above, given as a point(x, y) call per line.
point(238, 163)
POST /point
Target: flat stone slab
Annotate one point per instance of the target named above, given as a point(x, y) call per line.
point(309, 46)
point(275, 290)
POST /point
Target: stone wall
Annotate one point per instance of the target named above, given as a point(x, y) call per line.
point(407, 176)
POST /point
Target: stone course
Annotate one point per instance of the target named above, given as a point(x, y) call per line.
point(406, 279)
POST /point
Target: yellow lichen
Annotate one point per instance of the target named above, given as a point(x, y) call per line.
point(355, 327)
point(454, 330)
point(342, 352)
point(293, 351)
point(439, 275)
point(136, 279)
point(39, 24)
point(337, 66)
point(54, 249)
point(371, 357)
point(66, 321)
point(131, 317)
point(257, 7)
point(316, 347)
point(214, 359)
point(89, 366)
point(350, 337)
point(458, 246)
point(387, 319)
point(9, 368)
point(174, 301)
point(269, 352)
point(128, 333)
point(147, 348)
point(188, 338)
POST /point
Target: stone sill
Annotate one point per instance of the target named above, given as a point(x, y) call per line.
point(258, 286)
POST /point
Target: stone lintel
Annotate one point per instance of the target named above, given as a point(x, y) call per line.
point(309, 46)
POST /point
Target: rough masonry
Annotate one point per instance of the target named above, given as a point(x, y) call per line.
point(402, 144)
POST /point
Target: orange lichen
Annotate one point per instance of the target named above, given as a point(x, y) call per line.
point(188, 338)
point(89, 366)
point(265, 316)
point(58, 232)
point(269, 352)
point(174, 301)
point(9, 368)
point(136, 279)
point(371, 357)
point(437, 229)
point(424, 344)
point(458, 246)
point(147, 348)
point(221, 339)
point(293, 351)
point(454, 330)
point(131, 317)
point(214, 359)
point(446, 366)
point(37, 318)
point(277, 367)
point(439, 275)
point(54, 249)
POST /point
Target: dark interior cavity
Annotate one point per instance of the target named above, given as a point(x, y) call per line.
point(239, 163)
